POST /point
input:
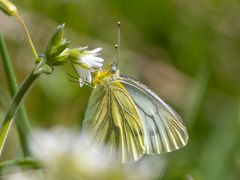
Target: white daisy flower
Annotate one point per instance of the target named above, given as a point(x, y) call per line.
point(87, 63)
point(67, 153)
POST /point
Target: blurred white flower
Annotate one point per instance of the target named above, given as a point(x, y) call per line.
point(68, 155)
point(87, 63)
point(61, 144)
point(24, 175)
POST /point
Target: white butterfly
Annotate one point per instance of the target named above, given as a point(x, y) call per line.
point(131, 119)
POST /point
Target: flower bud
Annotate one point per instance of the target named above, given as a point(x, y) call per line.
point(8, 8)
point(57, 49)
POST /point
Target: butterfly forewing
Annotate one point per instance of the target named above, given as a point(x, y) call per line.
point(113, 120)
point(164, 130)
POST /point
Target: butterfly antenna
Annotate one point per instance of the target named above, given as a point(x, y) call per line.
point(117, 46)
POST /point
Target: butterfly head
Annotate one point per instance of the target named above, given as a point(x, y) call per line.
point(105, 76)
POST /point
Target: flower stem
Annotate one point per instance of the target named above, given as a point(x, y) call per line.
point(23, 163)
point(19, 18)
point(22, 120)
point(13, 108)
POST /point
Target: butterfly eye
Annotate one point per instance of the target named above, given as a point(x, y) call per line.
point(114, 68)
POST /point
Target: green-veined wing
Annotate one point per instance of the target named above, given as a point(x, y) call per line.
point(113, 120)
point(164, 130)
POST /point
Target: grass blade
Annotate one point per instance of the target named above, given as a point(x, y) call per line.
point(21, 119)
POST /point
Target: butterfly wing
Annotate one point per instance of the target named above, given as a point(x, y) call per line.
point(113, 120)
point(164, 129)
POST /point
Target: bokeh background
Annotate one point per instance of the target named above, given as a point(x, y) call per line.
point(186, 51)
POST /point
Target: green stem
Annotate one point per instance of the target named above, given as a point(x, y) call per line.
point(19, 18)
point(22, 121)
point(25, 163)
point(9, 117)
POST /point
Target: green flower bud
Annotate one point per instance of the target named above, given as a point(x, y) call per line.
point(8, 8)
point(56, 41)
point(57, 50)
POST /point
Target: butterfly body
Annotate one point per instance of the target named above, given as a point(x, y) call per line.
point(130, 119)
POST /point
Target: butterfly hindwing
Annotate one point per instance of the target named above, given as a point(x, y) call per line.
point(113, 120)
point(164, 130)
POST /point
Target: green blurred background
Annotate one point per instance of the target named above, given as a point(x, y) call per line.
point(186, 51)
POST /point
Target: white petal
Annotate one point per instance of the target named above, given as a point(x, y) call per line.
point(98, 59)
point(83, 48)
point(81, 82)
point(94, 51)
point(85, 75)
point(92, 61)
point(89, 78)
point(85, 59)
point(95, 63)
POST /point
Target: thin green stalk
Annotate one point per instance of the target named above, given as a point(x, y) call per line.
point(9, 117)
point(22, 119)
point(19, 18)
point(24, 163)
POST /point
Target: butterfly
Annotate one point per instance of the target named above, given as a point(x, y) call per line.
point(130, 119)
